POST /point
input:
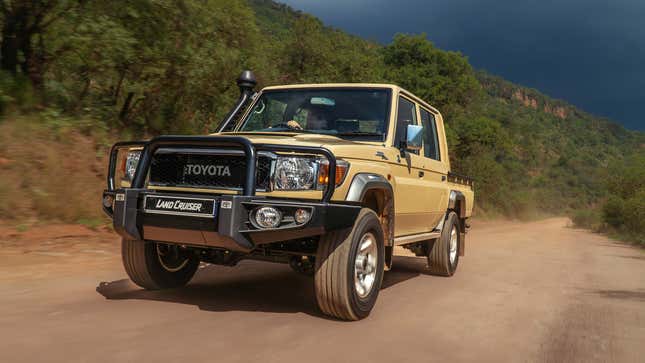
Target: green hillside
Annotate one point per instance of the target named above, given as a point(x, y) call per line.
point(140, 68)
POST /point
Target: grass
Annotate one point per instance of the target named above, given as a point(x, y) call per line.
point(92, 223)
point(627, 236)
point(51, 171)
point(592, 219)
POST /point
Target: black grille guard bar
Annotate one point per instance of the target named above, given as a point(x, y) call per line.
point(250, 152)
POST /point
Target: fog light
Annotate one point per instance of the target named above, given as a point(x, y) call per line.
point(107, 201)
point(267, 217)
point(301, 216)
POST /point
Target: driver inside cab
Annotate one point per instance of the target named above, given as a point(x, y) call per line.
point(316, 119)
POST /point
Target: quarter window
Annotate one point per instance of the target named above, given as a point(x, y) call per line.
point(430, 139)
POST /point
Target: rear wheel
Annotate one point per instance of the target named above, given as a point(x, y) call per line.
point(349, 268)
point(154, 265)
point(443, 255)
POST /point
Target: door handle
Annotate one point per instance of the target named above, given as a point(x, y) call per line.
point(421, 174)
point(443, 178)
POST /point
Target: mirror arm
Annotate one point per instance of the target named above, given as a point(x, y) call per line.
point(403, 147)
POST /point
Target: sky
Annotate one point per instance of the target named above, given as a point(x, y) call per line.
point(590, 53)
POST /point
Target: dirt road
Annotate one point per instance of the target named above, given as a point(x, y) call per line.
point(524, 292)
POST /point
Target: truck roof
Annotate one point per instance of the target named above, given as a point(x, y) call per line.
point(333, 85)
point(353, 85)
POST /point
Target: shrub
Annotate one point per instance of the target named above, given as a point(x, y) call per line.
point(587, 218)
point(613, 211)
point(634, 212)
point(16, 92)
point(60, 179)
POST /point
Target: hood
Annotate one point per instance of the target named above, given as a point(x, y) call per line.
point(342, 148)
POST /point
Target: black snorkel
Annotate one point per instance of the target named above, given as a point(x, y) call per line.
point(246, 82)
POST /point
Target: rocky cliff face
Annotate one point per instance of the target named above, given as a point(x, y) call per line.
point(528, 101)
point(531, 102)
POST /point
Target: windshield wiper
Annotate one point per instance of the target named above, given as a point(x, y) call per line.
point(289, 129)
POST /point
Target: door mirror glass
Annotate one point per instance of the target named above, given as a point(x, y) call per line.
point(414, 138)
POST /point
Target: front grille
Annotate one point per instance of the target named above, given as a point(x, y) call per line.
point(206, 171)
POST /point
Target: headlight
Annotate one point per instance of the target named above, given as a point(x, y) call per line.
point(295, 173)
point(305, 173)
point(130, 164)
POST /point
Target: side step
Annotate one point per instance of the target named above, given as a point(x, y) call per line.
point(404, 240)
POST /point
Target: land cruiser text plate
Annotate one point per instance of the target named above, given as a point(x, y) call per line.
point(195, 207)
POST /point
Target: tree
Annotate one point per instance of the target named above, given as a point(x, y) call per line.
point(24, 23)
point(441, 77)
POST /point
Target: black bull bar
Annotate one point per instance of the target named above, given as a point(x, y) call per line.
point(250, 152)
point(129, 219)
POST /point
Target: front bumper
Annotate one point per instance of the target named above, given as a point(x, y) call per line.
point(229, 226)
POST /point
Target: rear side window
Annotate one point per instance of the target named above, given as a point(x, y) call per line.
point(430, 139)
point(407, 115)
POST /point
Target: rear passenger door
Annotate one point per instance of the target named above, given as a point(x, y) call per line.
point(436, 170)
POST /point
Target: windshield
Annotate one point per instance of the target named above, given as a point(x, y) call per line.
point(360, 113)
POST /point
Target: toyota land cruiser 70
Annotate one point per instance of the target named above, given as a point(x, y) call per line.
point(328, 178)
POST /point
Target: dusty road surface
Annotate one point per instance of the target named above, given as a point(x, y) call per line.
point(524, 292)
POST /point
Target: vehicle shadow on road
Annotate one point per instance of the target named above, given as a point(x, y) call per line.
point(250, 286)
point(404, 268)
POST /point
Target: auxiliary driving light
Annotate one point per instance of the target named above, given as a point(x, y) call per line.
point(107, 201)
point(267, 217)
point(301, 216)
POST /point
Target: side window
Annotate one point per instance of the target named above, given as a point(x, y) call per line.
point(407, 115)
point(430, 139)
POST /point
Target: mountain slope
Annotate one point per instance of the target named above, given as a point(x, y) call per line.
point(529, 153)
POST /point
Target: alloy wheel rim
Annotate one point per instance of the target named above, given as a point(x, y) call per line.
point(365, 265)
point(171, 257)
point(453, 245)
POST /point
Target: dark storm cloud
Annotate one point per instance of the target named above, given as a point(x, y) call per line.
point(588, 52)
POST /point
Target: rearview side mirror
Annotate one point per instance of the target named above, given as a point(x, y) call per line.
point(413, 138)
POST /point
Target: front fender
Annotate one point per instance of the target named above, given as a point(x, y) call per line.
point(363, 182)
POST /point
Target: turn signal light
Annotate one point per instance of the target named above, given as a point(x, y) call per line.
point(323, 172)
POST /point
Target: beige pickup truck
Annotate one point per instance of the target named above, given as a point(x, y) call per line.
point(328, 178)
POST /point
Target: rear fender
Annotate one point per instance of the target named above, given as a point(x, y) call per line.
point(457, 203)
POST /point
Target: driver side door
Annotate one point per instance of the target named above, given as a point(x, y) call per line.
point(410, 210)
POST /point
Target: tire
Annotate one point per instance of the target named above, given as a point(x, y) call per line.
point(440, 251)
point(153, 266)
point(344, 290)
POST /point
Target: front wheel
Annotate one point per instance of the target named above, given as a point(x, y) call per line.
point(349, 268)
point(155, 266)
